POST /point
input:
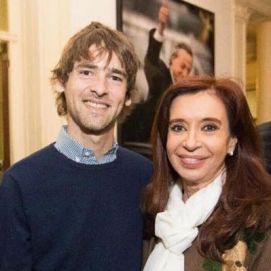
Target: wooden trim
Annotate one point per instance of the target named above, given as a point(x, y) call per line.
point(5, 36)
point(5, 110)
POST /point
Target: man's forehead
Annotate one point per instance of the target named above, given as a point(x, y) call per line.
point(99, 56)
point(101, 63)
point(101, 52)
point(95, 49)
point(183, 53)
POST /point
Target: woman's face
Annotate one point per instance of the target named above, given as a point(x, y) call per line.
point(198, 137)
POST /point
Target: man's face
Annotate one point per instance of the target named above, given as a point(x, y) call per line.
point(181, 65)
point(95, 94)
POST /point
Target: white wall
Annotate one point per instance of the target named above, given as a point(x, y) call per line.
point(41, 29)
point(82, 12)
point(224, 33)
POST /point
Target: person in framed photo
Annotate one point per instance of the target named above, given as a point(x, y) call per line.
point(159, 76)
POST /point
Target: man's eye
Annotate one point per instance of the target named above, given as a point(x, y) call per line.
point(177, 128)
point(85, 72)
point(117, 78)
point(210, 128)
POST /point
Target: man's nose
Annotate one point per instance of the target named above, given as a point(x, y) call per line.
point(184, 72)
point(99, 85)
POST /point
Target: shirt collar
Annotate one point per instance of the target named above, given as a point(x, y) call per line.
point(78, 153)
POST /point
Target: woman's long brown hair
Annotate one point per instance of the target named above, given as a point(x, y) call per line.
point(246, 193)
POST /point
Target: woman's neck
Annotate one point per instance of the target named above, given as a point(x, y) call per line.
point(190, 188)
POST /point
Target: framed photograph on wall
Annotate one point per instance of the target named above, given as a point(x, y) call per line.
point(186, 24)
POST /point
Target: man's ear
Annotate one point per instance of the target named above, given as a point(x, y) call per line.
point(58, 86)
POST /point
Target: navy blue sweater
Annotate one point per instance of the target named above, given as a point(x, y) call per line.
point(56, 214)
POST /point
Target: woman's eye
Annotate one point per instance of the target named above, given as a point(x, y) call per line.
point(210, 128)
point(177, 128)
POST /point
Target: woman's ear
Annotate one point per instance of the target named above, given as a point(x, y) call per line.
point(128, 102)
point(232, 145)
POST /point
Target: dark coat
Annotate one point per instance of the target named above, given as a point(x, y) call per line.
point(257, 256)
point(264, 130)
point(137, 126)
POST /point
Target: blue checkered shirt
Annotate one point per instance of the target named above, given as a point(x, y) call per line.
point(78, 153)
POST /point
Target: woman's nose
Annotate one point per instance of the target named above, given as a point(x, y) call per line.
point(191, 142)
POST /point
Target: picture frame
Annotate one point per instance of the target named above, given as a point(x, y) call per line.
point(187, 23)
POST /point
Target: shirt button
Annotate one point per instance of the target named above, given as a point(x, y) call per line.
point(86, 153)
point(77, 159)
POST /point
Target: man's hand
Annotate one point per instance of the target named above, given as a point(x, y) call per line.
point(163, 18)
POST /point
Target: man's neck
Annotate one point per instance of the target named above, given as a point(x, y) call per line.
point(99, 144)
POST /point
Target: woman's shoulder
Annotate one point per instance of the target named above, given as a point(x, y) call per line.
point(148, 246)
point(265, 221)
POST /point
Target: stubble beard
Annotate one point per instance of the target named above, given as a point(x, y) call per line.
point(96, 127)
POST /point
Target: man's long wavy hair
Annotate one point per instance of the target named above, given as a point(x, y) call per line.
point(245, 198)
point(107, 40)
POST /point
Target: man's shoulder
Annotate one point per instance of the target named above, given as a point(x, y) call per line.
point(135, 161)
point(134, 156)
point(31, 170)
point(136, 165)
point(32, 162)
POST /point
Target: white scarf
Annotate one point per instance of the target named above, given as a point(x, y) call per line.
point(177, 225)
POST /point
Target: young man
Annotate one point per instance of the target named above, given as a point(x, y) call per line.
point(74, 205)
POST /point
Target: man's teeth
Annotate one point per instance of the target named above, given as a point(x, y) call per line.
point(96, 105)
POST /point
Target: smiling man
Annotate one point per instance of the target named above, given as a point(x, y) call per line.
point(74, 205)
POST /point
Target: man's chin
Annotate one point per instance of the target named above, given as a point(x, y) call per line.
point(96, 129)
point(178, 79)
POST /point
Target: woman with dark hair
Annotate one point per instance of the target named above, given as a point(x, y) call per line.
point(208, 205)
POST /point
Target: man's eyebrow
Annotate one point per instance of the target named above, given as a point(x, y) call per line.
point(93, 66)
point(87, 65)
point(118, 71)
